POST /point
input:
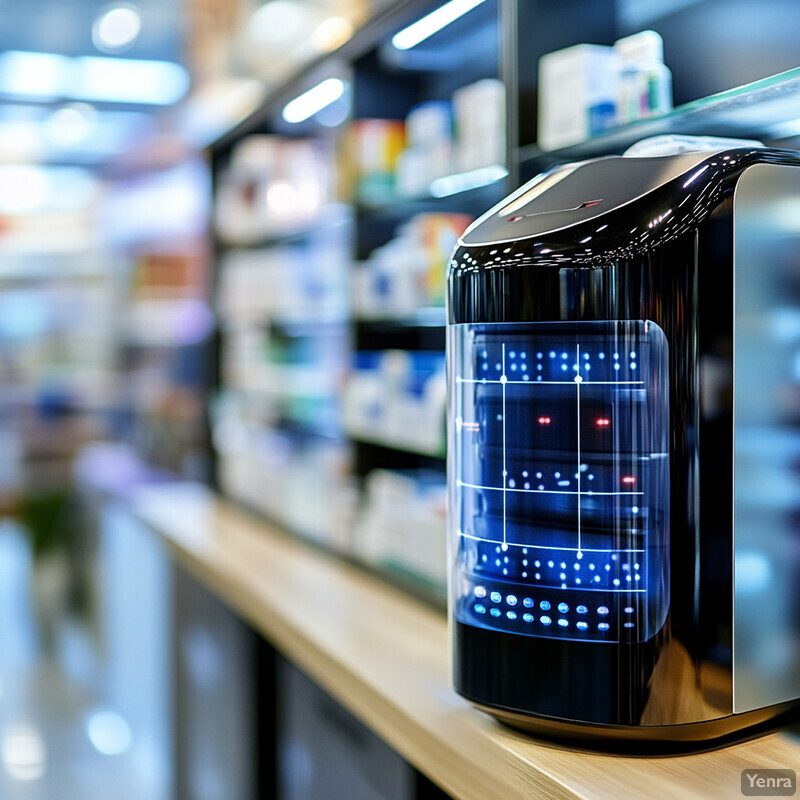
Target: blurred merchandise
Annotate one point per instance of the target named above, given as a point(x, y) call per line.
point(645, 83)
point(397, 398)
point(301, 482)
point(375, 146)
point(300, 282)
point(273, 186)
point(407, 274)
point(296, 377)
point(480, 122)
point(401, 525)
point(429, 151)
point(578, 90)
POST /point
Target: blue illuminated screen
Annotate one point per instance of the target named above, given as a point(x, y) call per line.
point(559, 479)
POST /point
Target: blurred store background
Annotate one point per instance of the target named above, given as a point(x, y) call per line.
point(224, 226)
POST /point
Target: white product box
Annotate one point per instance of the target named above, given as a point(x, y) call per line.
point(577, 94)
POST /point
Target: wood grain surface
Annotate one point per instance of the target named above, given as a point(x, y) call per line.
point(385, 657)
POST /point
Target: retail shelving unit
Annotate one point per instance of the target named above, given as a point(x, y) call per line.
point(328, 408)
point(309, 350)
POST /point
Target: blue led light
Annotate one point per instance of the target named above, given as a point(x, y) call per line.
point(601, 356)
point(550, 564)
point(511, 599)
point(616, 581)
point(633, 365)
point(582, 609)
point(581, 626)
point(511, 614)
point(563, 622)
point(564, 355)
point(480, 591)
point(616, 366)
point(563, 608)
point(480, 609)
point(616, 356)
point(633, 354)
point(544, 605)
point(603, 626)
point(495, 597)
point(512, 354)
point(552, 354)
point(528, 602)
point(495, 612)
point(545, 620)
point(586, 356)
point(628, 610)
point(564, 367)
point(629, 625)
point(527, 617)
point(537, 563)
point(603, 610)
point(538, 355)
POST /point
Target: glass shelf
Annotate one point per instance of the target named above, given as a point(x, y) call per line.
point(767, 109)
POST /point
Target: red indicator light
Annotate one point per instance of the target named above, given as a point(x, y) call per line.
point(590, 203)
point(544, 420)
point(603, 422)
point(628, 479)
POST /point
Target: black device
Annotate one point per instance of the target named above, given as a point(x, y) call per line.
point(624, 449)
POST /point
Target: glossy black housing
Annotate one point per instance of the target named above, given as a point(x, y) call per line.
point(661, 253)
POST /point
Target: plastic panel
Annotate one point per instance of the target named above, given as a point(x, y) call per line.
point(559, 479)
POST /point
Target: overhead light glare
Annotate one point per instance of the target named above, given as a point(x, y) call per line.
point(314, 100)
point(128, 80)
point(35, 75)
point(93, 78)
point(423, 28)
point(464, 181)
point(116, 29)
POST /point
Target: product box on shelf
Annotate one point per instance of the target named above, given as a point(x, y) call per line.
point(303, 483)
point(273, 186)
point(480, 123)
point(397, 398)
point(578, 89)
point(374, 147)
point(401, 525)
point(407, 273)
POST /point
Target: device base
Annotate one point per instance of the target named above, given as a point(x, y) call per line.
point(650, 739)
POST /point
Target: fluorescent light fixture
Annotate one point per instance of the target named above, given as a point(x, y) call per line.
point(431, 23)
point(35, 75)
point(111, 80)
point(116, 29)
point(128, 80)
point(464, 181)
point(314, 100)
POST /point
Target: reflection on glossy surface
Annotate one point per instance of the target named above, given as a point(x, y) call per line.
point(767, 439)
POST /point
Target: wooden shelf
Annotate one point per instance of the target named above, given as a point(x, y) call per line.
point(386, 658)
